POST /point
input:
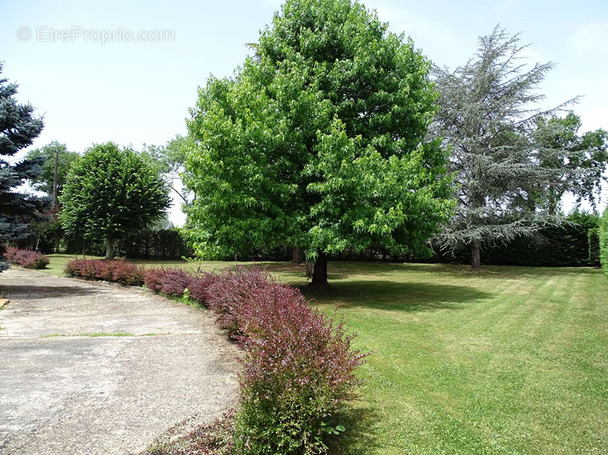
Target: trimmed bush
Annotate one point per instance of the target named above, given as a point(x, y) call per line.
point(200, 285)
point(153, 279)
point(298, 370)
point(171, 282)
point(33, 260)
point(174, 282)
point(119, 271)
point(26, 258)
point(127, 273)
point(72, 268)
point(604, 241)
point(229, 294)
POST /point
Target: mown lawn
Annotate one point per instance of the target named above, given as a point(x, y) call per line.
point(509, 360)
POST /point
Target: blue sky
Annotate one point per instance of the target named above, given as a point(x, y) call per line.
point(135, 93)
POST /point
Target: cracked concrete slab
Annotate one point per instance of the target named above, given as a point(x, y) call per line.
point(94, 368)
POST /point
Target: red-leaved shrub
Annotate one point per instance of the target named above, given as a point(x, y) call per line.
point(72, 268)
point(125, 272)
point(119, 271)
point(153, 279)
point(103, 269)
point(11, 253)
point(26, 258)
point(199, 287)
point(298, 369)
point(174, 282)
point(229, 293)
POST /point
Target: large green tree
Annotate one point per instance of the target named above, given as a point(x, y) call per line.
point(18, 128)
point(111, 193)
point(318, 142)
point(501, 153)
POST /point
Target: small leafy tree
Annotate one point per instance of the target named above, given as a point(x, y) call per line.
point(318, 142)
point(110, 193)
point(499, 144)
point(55, 161)
point(54, 157)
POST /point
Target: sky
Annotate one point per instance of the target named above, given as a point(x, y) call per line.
point(128, 71)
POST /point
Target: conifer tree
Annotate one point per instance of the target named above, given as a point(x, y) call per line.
point(489, 118)
point(18, 129)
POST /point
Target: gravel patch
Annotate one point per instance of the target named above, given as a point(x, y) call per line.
point(95, 368)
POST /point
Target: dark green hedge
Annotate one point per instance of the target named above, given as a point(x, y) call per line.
point(603, 240)
point(574, 244)
point(160, 244)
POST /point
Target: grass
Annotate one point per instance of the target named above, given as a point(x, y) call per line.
point(95, 335)
point(58, 262)
point(509, 360)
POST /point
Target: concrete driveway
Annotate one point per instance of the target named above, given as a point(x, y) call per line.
point(95, 368)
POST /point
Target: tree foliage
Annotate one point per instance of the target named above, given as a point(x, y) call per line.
point(18, 129)
point(318, 141)
point(111, 193)
point(574, 163)
point(46, 155)
point(169, 161)
point(499, 144)
point(47, 233)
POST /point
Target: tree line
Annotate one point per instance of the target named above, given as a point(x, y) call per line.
point(335, 135)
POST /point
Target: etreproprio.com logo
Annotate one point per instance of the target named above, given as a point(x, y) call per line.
point(46, 34)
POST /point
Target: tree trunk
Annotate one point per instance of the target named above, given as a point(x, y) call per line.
point(475, 254)
point(55, 173)
point(297, 255)
point(319, 274)
point(110, 248)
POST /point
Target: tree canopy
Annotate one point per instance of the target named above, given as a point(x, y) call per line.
point(18, 129)
point(49, 155)
point(169, 161)
point(110, 193)
point(505, 152)
point(318, 141)
point(575, 163)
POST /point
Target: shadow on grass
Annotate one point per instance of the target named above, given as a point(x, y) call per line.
point(42, 292)
point(344, 270)
point(395, 296)
point(357, 439)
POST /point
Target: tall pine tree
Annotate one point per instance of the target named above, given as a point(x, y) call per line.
point(18, 128)
point(488, 118)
